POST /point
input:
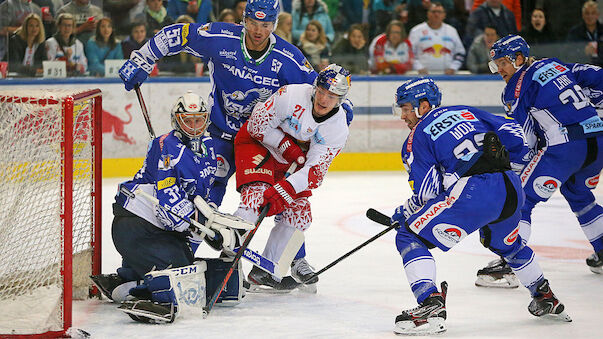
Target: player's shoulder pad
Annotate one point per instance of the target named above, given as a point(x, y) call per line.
point(291, 54)
point(543, 71)
point(219, 29)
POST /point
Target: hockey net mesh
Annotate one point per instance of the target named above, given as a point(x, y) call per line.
point(32, 132)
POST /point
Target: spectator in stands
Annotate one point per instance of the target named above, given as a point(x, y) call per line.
point(391, 52)
point(313, 43)
point(492, 13)
point(283, 26)
point(26, 49)
point(119, 12)
point(352, 12)
point(436, 45)
point(63, 45)
point(101, 47)
point(12, 16)
point(417, 10)
point(199, 10)
point(383, 14)
point(86, 16)
point(239, 8)
point(351, 51)
point(48, 13)
point(183, 62)
point(590, 31)
point(479, 52)
point(306, 10)
point(137, 38)
point(227, 15)
point(155, 16)
point(561, 15)
point(513, 5)
point(537, 32)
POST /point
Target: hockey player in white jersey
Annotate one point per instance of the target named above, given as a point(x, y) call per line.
point(302, 124)
point(460, 173)
point(246, 65)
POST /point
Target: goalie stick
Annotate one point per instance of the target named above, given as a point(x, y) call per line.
point(373, 215)
point(198, 228)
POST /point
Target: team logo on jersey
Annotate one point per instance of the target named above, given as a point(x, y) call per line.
point(448, 235)
point(223, 166)
point(592, 182)
point(446, 121)
point(260, 15)
point(257, 159)
point(166, 161)
point(545, 186)
point(308, 66)
point(511, 237)
point(228, 54)
point(238, 103)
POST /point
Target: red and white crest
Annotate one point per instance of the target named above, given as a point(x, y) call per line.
point(260, 15)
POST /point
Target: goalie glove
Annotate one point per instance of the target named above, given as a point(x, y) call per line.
point(170, 222)
point(226, 239)
point(279, 197)
point(291, 150)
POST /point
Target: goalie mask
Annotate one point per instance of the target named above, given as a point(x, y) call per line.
point(334, 79)
point(413, 91)
point(190, 116)
point(508, 47)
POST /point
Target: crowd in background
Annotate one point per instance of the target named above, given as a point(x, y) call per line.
point(365, 36)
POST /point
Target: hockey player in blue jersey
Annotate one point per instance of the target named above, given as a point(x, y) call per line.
point(247, 64)
point(460, 174)
point(152, 241)
point(549, 99)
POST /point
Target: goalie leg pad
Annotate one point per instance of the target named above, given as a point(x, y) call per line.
point(233, 292)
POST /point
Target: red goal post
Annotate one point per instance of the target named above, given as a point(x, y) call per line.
point(50, 216)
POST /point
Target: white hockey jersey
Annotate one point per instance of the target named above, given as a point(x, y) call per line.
point(436, 49)
point(289, 110)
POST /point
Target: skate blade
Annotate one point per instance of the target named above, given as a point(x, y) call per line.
point(310, 288)
point(158, 319)
point(507, 281)
point(597, 270)
point(263, 289)
point(557, 317)
point(435, 325)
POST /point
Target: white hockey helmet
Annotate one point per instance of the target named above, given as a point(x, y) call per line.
point(190, 115)
point(334, 79)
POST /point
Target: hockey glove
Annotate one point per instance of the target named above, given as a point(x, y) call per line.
point(398, 217)
point(279, 197)
point(348, 107)
point(291, 150)
point(135, 71)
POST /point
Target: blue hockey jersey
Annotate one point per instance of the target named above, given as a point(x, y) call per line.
point(238, 81)
point(447, 141)
point(590, 78)
point(549, 103)
point(174, 174)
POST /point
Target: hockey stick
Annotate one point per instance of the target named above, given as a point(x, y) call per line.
point(242, 248)
point(373, 215)
point(198, 228)
point(235, 262)
point(145, 113)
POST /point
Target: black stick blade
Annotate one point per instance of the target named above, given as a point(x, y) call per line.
point(378, 217)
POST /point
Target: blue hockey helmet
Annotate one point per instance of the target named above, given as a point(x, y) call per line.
point(508, 47)
point(262, 10)
point(413, 91)
point(335, 79)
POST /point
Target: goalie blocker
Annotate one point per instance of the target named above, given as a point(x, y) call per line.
point(183, 291)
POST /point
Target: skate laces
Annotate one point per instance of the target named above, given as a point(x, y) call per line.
point(301, 267)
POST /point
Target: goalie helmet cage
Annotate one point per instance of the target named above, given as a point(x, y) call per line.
point(50, 220)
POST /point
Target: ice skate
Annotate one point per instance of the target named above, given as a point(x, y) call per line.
point(595, 262)
point(149, 312)
point(547, 305)
point(497, 274)
point(263, 282)
point(106, 283)
point(302, 272)
point(427, 318)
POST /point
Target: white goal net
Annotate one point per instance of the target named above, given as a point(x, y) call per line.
point(50, 210)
